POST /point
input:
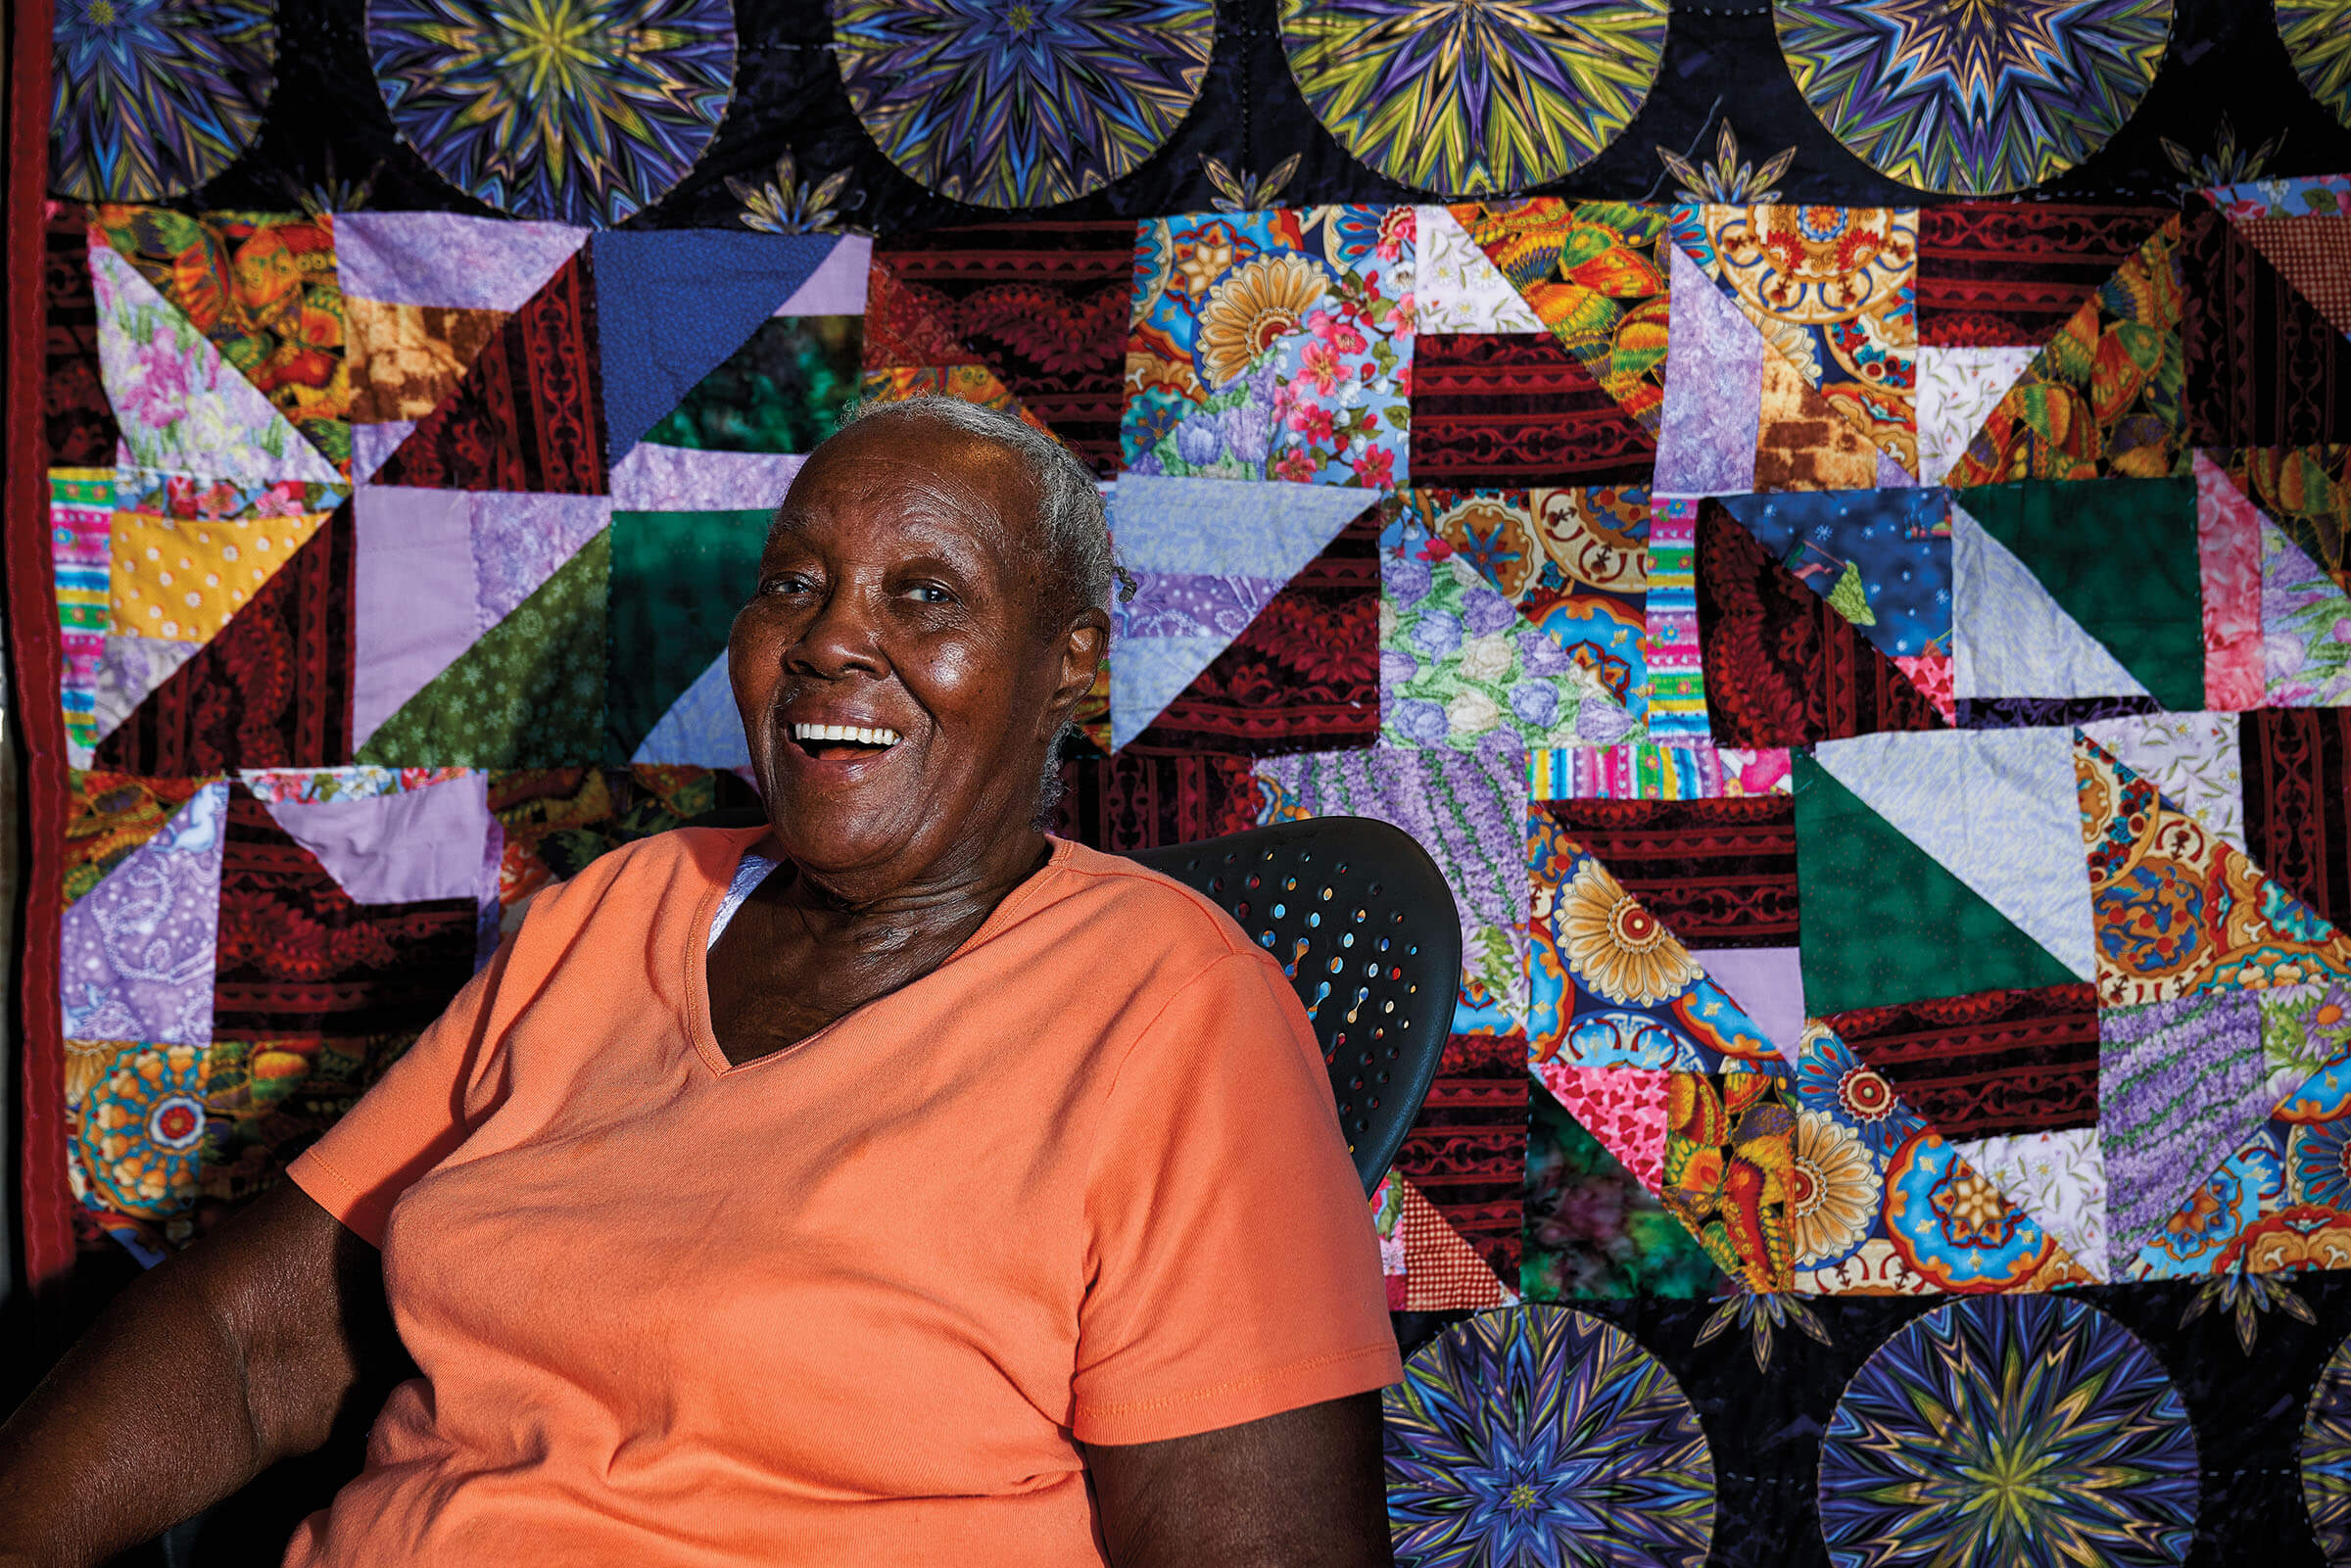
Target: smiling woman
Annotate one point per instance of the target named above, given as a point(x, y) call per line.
point(891, 1183)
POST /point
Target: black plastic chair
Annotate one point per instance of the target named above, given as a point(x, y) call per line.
point(1365, 926)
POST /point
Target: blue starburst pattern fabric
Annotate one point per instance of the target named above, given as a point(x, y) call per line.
point(1973, 99)
point(1027, 103)
point(2326, 1456)
point(1471, 100)
point(152, 98)
point(1540, 1438)
point(2009, 1429)
point(574, 111)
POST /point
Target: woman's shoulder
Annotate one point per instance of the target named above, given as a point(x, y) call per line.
point(1136, 905)
point(683, 863)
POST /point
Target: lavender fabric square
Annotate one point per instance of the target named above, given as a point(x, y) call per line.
point(398, 848)
point(474, 264)
point(1767, 984)
point(681, 479)
point(137, 959)
point(414, 593)
point(1192, 604)
point(703, 727)
point(519, 540)
point(2182, 1084)
point(1713, 404)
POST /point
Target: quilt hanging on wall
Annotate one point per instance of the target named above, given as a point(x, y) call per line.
point(1828, 520)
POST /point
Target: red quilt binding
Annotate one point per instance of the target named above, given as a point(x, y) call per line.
point(46, 1212)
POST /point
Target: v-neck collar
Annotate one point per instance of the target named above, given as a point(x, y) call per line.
point(699, 1029)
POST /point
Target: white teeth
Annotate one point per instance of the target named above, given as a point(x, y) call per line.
point(874, 735)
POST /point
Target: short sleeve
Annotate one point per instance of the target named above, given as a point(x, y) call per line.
point(419, 1111)
point(1234, 1272)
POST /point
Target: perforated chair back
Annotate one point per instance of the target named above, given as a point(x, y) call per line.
point(1365, 927)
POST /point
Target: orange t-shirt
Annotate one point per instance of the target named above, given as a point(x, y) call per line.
point(855, 1301)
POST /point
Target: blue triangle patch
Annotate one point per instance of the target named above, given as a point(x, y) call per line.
point(652, 351)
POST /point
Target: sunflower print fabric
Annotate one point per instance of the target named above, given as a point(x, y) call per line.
point(1881, 1204)
point(1273, 344)
point(1608, 985)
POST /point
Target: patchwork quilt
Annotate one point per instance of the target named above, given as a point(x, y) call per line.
point(1873, 659)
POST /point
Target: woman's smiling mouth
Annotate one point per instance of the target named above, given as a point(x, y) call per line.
point(843, 741)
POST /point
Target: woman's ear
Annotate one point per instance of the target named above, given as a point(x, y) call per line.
point(1081, 649)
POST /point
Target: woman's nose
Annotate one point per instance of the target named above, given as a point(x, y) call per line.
point(841, 638)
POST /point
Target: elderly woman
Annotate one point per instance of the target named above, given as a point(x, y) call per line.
point(888, 1184)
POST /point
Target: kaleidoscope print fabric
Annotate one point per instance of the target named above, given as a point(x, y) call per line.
point(1544, 1437)
point(1471, 100)
point(2024, 1430)
point(2326, 1456)
point(1024, 105)
point(1972, 100)
point(152, 98)
point(574, 111)
point(2317, 34)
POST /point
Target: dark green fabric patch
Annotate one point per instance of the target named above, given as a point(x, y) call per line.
point(678, 578)
point(2118, 555)
point(1883, 921)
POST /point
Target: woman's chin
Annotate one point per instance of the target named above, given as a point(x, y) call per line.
point(826, 836)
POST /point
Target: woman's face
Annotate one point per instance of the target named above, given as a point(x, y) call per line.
point(900, 595)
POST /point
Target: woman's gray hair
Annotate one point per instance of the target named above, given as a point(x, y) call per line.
point(1076, 526)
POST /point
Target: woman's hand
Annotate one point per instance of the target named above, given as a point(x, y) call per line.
point(1305, 1489)
point(218, 1362)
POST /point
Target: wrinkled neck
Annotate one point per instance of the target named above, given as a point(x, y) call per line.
point(853, 918)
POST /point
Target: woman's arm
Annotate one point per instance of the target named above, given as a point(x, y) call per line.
point(236, 1353)
point(1301, 1490)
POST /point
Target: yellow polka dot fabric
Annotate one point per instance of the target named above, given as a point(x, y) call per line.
point(182, 580)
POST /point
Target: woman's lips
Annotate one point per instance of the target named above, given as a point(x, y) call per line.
point(842, 743)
